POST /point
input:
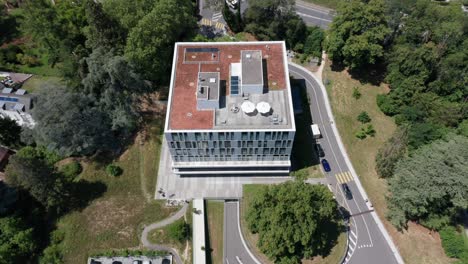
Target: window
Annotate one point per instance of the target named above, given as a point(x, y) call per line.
point(175, 137)
point(277, 144)
point(227, 144)
point(250, 144)
point(172, 145)
point(268, 136)
point(244, 135)
point(198, 136)
point(187, 144)
point(285, 135)
point(221, 136)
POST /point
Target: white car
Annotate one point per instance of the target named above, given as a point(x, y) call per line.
point(232, 3)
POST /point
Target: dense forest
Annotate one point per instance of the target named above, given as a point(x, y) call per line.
point(420, 48)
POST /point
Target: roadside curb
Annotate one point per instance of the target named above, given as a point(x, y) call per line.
point(349, 164)
point(242, 235)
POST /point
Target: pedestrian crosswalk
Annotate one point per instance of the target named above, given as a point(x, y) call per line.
point(217, 16)
point(344, 177)
point(206, 22)
point(210, 23)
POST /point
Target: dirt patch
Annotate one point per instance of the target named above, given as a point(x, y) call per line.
point(114, 212)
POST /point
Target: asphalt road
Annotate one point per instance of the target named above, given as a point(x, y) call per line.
point(366, 242)
point(313, 15)
point(234, 250)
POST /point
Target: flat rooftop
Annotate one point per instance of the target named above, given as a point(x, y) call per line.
point(196, 63)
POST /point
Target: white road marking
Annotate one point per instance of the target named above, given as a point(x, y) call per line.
point(318, 10)
point(351, 239)
point(238, 260)
point(307, 15)
point(353, 234)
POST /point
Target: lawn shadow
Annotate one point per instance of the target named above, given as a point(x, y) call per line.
point(208, 248)
point(372, 74)
point(83, 192)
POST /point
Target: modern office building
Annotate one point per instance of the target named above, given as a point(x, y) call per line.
point(16, 105)
point(230, 109)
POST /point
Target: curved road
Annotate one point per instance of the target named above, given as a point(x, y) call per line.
point(367, 243)
point(163, 223)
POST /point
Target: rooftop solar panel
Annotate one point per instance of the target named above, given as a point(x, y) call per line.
point(202, 49)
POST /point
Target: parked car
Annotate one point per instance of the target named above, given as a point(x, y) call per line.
point(137, 261)
point(347, 191)
point(320, 151)
point(326, 165)
point(232, 3)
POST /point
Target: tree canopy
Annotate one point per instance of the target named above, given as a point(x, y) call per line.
point(357, 33)
point(10, 132)
point(294, 220)
point(16, 241)
point(275, 20)
point(431, 185)
point(150, 43)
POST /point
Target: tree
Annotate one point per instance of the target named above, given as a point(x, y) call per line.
point(391, 152)
point(357, 33)
point(39, 179)
point(17, 243)
point(128, 15)
point(150, 44)
point(275, 20)
point(313, 42)
point(431, 185)
point(87, 128)
point(233, 21)
point(10, 132)
point(294, 220)
point(103, 31)
point(356, 93)
point(363, 117)
point(179, 231)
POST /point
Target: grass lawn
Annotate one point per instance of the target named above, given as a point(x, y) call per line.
point(215, 221)
point(115, 219)
point(252, 239)
point(37, 81)
point(417, 244)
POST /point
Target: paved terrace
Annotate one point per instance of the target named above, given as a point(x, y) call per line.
point(186, 188)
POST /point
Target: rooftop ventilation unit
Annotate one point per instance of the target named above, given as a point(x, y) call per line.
point(212, 80)
point(248, 55)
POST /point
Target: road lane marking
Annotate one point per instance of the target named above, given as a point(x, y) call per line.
point(319, 18)
point(353, 233)
point(311, 8)
point(351, 239)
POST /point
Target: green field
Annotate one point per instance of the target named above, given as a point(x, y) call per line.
point(116, 218)
point(215, 230)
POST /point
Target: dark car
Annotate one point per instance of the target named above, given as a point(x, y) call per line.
point(347, 191)
point(320, 150)
point(325, 165)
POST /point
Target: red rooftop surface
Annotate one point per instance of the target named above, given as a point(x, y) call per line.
point(183, 113)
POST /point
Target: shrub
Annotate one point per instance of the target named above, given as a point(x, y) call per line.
point(364, 117)
point(113, 170)
point(361, 134)
point(370, 130)
point(179, 231)
point(71, 170)
point(452, 241)
point(356, 93)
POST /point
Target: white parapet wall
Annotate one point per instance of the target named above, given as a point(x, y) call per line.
point(199, 250)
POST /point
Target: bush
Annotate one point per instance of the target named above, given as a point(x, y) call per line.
point(356, 93)
point(452, 241)
point(364, 117)
point(361, 134)
point(386, 105)
point(71, 170)
point(179, 231)
point(113, 170)
point(370, 130)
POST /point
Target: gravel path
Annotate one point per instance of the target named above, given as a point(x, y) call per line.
point(163, 223)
